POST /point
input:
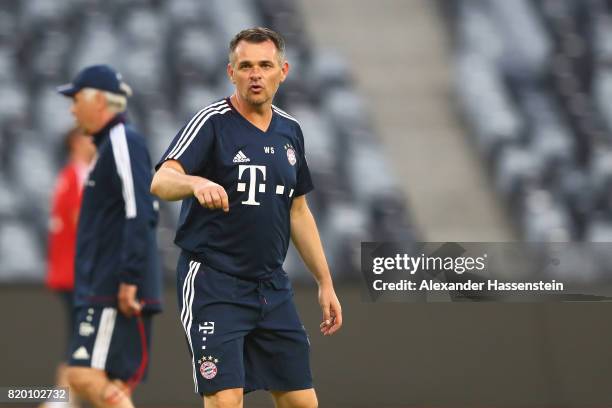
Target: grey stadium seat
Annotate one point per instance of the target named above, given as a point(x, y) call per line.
point(486, 104)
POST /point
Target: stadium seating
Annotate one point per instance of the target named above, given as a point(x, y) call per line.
point(534, 84)
point(173, 53)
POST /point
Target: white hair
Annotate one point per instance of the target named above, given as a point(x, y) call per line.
point(115, 102)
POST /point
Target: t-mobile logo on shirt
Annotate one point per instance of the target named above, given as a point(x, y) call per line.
point(253, 185)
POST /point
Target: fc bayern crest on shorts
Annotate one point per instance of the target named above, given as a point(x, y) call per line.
point(208, 367)
point(291, 156)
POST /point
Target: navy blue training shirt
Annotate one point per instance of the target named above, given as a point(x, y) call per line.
point(262, 172)
point(116, 236)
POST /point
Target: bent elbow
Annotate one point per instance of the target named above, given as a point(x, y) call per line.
point(155, 188)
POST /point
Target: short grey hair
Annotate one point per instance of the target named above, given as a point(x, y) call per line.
point(115, 102)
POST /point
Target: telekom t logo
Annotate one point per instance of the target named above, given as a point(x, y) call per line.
point(261, 187)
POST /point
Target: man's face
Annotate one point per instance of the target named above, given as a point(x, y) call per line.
point(257, 72)
point(85, 111)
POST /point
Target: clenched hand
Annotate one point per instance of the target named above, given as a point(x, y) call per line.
point(211, 195)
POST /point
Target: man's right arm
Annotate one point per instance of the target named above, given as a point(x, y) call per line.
point(170, 183)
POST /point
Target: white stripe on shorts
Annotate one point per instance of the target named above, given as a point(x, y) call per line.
point(188, 292)
point(103, 338)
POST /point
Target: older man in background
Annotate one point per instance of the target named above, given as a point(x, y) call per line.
point(116, 268)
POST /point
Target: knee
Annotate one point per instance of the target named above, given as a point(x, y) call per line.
point(95, 386)
point(77, 379)
point(311, 403)
point(302, 404)
point(114, 393)
point(296, 399)
point(224, 399)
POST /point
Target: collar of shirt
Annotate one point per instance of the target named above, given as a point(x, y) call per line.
point(101, 134)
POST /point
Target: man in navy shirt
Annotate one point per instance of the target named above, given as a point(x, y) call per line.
point(240, 168)
point(116, 266)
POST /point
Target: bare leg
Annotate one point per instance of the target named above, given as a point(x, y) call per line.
point(230, 398)
point(93, 385)
point(61, 380)
point(295, 399)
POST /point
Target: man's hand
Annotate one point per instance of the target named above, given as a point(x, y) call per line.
point(332, 312)
point(128, 304)
point(211, 195)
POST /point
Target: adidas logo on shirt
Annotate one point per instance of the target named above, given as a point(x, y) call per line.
point(81, 354)
point(241, 157)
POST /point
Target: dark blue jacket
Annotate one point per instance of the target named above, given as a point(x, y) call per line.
point(116, 239)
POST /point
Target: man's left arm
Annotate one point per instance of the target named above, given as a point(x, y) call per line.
point(305, 237)
point(135, 174)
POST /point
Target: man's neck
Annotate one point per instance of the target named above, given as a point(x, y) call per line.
point(257, 114)
point(105, 118)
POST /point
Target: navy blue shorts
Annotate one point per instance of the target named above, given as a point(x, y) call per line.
point(105, 339)
point(241, 333)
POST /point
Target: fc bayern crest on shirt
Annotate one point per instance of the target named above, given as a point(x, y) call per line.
point(208, 367)
point(290, 154)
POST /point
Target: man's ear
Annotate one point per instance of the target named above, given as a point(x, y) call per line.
point(230, 73)
point(284, 70)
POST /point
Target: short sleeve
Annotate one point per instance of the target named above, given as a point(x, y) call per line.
point(192, 144)
point(304, 181)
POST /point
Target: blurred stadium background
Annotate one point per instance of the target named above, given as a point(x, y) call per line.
point(449, 120)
